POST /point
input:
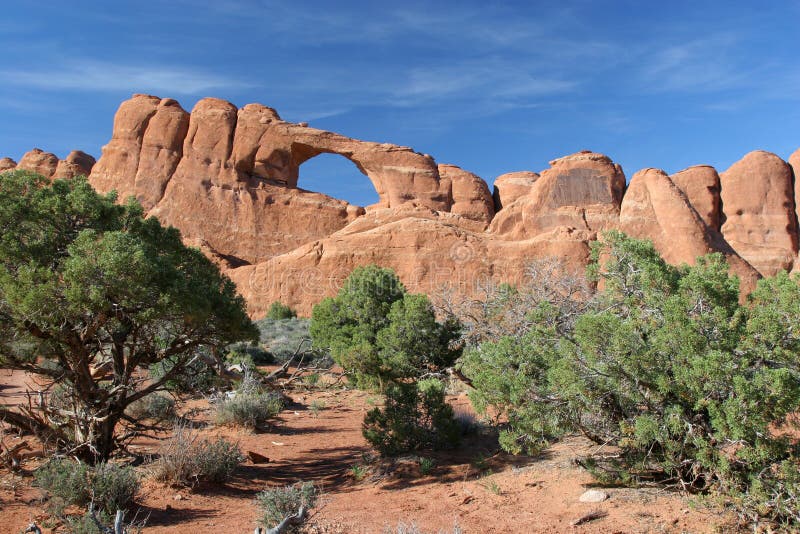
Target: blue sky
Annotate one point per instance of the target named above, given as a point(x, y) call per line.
point(489, 88)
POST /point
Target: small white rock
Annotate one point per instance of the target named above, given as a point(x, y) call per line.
point(593, 495)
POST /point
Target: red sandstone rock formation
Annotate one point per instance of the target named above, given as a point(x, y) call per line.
point(760, 221)
point(228, 178)
point(656, 208)
point(7, 164)
point(700, 184)
point(582, 191)
point(510, 186)
point(40, 162)
point(470, 196)
point(77, 163)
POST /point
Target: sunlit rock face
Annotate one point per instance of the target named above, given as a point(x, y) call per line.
point(227, 177)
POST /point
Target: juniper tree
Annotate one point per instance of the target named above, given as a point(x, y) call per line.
point(91, 292)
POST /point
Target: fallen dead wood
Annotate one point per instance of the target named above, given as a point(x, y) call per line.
point(294, 519)
point(591, 516)
point(10, 456)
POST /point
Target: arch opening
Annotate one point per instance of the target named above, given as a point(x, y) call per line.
point(337, 177)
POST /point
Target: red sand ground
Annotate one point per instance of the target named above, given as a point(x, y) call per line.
point(473, 487)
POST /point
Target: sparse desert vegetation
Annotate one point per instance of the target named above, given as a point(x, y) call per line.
point(141, 394)
point(684, 385)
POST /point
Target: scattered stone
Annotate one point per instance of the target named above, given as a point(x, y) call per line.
point(593, 495)
point(257, 458)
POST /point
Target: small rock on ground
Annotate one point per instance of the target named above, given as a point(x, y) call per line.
point(593, 495)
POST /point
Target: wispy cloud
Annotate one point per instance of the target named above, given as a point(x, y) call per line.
point(496, 82)
point(90, 75)
point(702, 65)
point(303, 115)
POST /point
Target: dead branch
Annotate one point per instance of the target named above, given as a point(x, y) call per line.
point(294, 519)
point(591, 516)
point(119, 522)
point(279, 372)
point(10, 456)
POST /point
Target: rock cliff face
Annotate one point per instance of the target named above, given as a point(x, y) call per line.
point(759, 215)
point(228, 179)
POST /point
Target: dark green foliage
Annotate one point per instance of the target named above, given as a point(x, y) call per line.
point(195, 378)
point(692, 387)
point(67, 482)
point(380, 333)
point(415, 416)
point(388, 339)
point(88, 283)
point(276, 504)
point(278, 310)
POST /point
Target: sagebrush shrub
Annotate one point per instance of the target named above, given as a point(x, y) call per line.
point(282, 338)
point(249, 408)
point(217, 460)
point(248, 354)
point(275, 504)
point(186, 459)
point(112, 487)
point(155, 406)
point(66, 482)
point(197, 377)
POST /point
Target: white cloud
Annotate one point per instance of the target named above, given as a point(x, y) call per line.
point(701, 65)
point(90, 75)
point(493, 81)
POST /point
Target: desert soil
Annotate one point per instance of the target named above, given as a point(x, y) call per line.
point(474, 487)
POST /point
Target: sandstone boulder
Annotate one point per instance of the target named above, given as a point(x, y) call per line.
point(119, 163)
point(6, 164)
point(161, 151)
point(40, 162)
point(510, 186)
point(655, 208)
point(581, 191)
point(470, 194)
point(760, 221)
point(430, 251)
point(700, 184)
point(77, 163)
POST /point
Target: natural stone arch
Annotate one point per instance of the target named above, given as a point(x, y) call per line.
point(340, 172)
